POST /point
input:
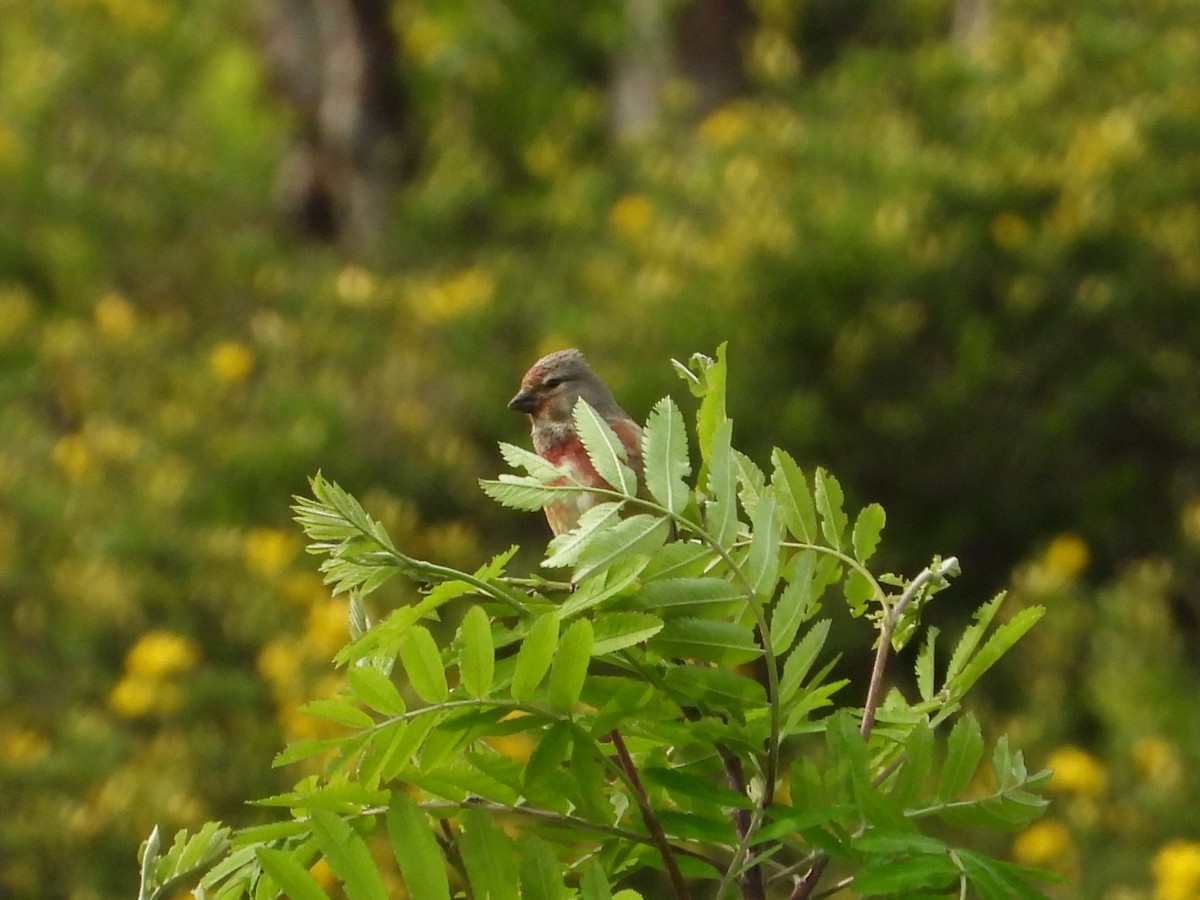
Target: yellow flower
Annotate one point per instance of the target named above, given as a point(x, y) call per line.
point(327, 628)
point(1067, 556)
point(631, 216)
point(115, 317)
point(355, 286)
point(72, 456)
point(135, 696)
point(269, 551)
point(279, 664)
point(1176, 870)
point(1157, 761)
point(231, 361)
point(323, 874)
point(723, 126)
point(462, 294)
point(22, 745)
point(1077, 772)
point(160, 654)
point(1044, 843)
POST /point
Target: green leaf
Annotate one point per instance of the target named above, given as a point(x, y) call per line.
point(520, 458)
point(721, 511)
point(296, 882)
point(796, 603)
point(416, 850)
point(593, 883)
point(375, 689)
point(964, 750)
point(546, 761)
point(867, 529)
point(709, 597)
point(971, 636)
point(564, 549)
point(535, 656)
point(489, 857)
point(709, 380)
point(801, 660)
point(616, 631)
point(348, 856)
point(762, 562)
point(423, 664)
point(665, 451)
point(638, 535)
point(795, 499)
point(338, 711)
point(570, 665)
point(829, 500)
point(996, 646)
point(523, 492)
point(995, 880)
point(716, 688)
point(934, 873)
point(477, 656)
point(724, 643)
point(925, 665)
point(693, 827)
point(752, 483)
point(858, 591)
point(918, 760)
point(677, 781)
point(604, 449)
point(541, 874)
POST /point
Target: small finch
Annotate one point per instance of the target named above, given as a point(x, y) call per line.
point(548, 394)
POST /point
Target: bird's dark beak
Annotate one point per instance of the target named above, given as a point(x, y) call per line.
point(526, 401)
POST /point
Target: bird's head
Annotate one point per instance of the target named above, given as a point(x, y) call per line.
point(553, 385)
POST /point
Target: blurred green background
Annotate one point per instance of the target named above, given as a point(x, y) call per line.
point(954, 246)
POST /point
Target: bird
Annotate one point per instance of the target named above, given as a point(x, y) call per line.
point(548, 394)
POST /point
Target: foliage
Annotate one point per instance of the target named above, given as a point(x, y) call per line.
point(963, 278)
point(673, 697)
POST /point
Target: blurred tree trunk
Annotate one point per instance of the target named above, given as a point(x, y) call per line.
point(972, 19)
point(703, 46)
point(334, 61)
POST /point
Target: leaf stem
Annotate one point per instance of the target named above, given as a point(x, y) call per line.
point(657, 835)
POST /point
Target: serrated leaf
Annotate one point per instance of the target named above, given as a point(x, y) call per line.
point(964, 750)
point(593, 883)
point(304, 748)
point(724, 643)
point(751, 481)
point(858, 592)
point(995, 880)
point(423, 664)
point(477, 656)
point(829, 499)
point(416, 850)
point(523, 492)
point(677, 781)
point(348, 856)
point(800, 661)
point(604, 449)
point(762, 562)
point(710, 382)
point(489, 857)
point(679, 559)
point(296, 882)
point(716, 688)
point(796, 603)
point(535, 656)
point(693, 827)
point(867, 529)
point(375, 689)
point(721, 511)
point(570, 665)
point(564, 549)
point(637, 535)
point(616, 631)
point(905, 877)
point(925, 665)
point(546, 761)
point(541, 874)
point(971, 636)
point(995, 647)
point(918, 760)
point(520, 458)
point(665, 452)
point(338, 711)
point(691, 596)
point(795, 499)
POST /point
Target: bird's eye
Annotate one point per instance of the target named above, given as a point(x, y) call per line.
point(552, 383)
